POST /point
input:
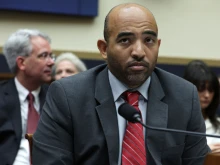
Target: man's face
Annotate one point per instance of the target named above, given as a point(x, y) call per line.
point(37, 67)
point(132, 49)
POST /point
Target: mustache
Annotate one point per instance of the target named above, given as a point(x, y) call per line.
point(137, 63)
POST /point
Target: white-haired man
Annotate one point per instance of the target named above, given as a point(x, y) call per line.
point(29, 56)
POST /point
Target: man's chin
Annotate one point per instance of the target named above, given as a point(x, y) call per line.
point(47, 79)
point(138, 76)
point(136, 81)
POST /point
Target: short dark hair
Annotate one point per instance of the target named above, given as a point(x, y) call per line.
point(198, 73)
point(106, 28)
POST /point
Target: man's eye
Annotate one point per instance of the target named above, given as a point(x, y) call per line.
point(43, 55)
point(124, 40)
point(149, 40)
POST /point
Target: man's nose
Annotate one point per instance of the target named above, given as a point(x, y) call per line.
point(50, 62)
point(138, 51)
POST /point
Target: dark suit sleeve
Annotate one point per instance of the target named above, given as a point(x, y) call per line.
point(53, 140)
point(196, 147)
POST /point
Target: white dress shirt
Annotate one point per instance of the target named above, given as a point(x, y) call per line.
point(23, 155)
point(117, 89)
point(210, 130)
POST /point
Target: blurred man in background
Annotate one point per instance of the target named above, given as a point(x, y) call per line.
point(30, 58)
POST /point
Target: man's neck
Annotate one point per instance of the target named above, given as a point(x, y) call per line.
point(28, 83)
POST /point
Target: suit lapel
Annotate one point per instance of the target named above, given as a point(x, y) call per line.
point(107, 115)
point(13, 107)
point(157, 116)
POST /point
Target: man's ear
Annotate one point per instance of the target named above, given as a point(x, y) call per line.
point(159, 42)
point(102, 46)
point(20, 62)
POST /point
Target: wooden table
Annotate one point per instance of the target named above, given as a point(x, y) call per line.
point(212, 159)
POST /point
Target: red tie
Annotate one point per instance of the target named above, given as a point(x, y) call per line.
point(33, 116)
point(133, 146)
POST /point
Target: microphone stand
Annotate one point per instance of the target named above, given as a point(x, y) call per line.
point(137, 119)
point(132, 115)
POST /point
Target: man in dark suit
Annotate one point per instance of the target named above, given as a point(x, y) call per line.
point(80, 123)
point(29, 57)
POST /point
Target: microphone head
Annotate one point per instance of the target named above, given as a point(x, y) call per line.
point(129, 113)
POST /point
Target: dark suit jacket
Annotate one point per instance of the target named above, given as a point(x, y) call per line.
point(79, 123)
point(10, 120)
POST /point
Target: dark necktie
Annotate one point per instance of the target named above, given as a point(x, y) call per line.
point(33, 116)
point(133, 146)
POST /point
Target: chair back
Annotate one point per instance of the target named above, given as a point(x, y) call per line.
point(29, 137)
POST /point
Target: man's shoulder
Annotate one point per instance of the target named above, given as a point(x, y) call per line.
point(7, 83)
point(84, 77)
point(167, 77)
point(7, 88)
point(83, 80)
point(173, 84)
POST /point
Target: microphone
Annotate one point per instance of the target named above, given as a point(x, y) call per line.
point(132, 115)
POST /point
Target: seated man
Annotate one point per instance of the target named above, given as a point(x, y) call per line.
point(80, 123)
point(30, 58)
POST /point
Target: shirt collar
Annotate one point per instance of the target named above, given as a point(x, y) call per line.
point(23, 92)
point(118, 87)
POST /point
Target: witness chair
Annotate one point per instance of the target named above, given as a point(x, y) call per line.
point(29, 137)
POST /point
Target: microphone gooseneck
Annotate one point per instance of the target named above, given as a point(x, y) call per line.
point(132, 115)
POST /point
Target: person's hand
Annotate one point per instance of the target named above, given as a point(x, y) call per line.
point(215, 147)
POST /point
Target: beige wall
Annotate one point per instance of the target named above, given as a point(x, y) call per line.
point(188, 28)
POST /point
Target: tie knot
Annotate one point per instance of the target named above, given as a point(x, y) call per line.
point(30, 97)
point(132, 97)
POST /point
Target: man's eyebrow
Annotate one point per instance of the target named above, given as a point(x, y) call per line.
point(123, 34)
point(45, 52)
point(150, 32)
